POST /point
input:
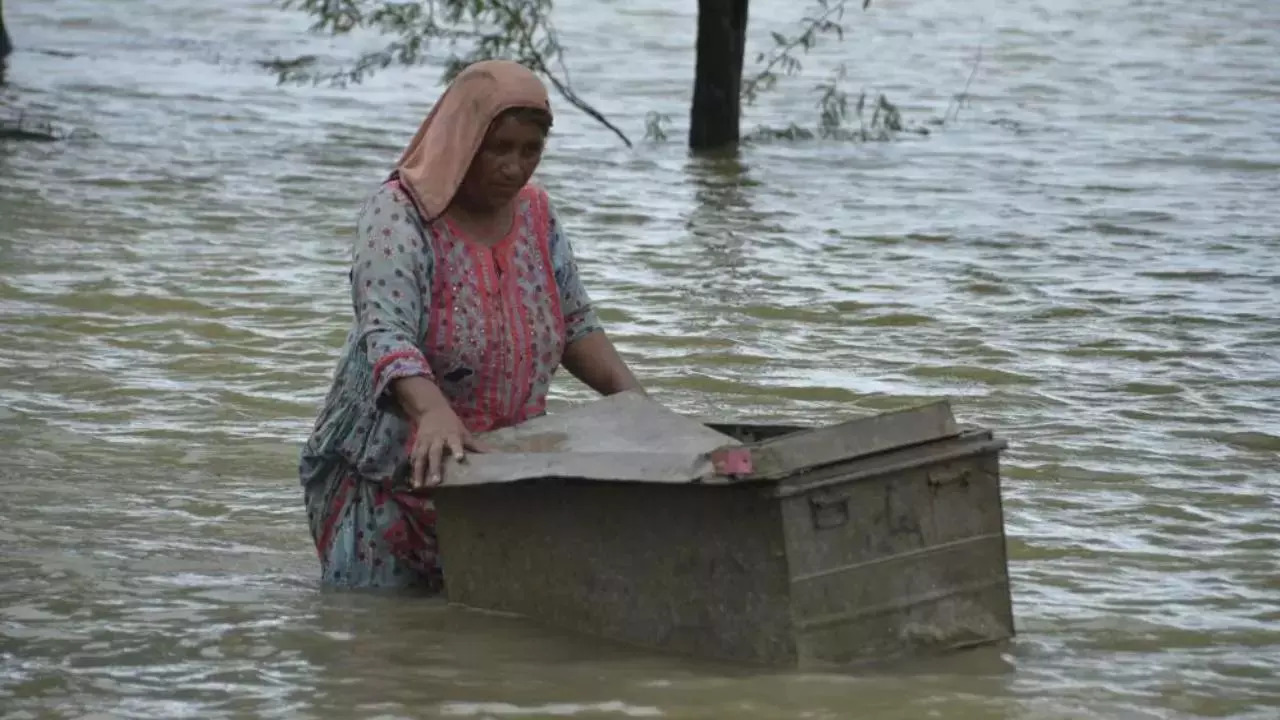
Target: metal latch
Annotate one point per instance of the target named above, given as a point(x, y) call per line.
point(829, 512)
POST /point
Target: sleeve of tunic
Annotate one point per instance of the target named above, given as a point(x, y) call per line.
point(390, 271)
point(579, 316)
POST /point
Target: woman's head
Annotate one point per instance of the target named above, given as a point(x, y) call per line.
point(507, 156)
point(484, 135)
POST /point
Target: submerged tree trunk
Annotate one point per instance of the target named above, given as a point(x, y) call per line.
point(717, 86)
point(5, 46)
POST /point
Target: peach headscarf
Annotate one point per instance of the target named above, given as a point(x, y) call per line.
point(433, 166)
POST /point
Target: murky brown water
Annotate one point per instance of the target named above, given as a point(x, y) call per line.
point(1087, 262)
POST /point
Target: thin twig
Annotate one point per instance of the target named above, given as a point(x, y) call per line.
point(958, 100)
point(582, 105)
point(783, 51)
point(561, 86)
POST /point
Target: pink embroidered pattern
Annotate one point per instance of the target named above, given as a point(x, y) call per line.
point(496, 333)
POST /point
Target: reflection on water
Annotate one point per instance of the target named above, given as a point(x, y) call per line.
point(1085, 262)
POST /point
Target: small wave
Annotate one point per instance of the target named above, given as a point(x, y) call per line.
point(566, 709)
point(988, 376)
point(893, 320)
point(1246, 440)
point(1142, 388)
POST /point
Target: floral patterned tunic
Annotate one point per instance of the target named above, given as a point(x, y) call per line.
point(487, 324)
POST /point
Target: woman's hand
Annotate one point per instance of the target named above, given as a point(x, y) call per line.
point(439, 430)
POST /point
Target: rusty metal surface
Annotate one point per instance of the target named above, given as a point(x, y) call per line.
point(877, 538)
point(697, 570)
point(623, 437)
point(798, 451)
point(942, 451)
point(904, 555)
point(630, 438)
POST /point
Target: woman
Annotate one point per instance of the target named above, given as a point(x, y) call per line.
point(466, 299)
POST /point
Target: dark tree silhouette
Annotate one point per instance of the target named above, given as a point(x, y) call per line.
point(715, 118)
point(6, 47)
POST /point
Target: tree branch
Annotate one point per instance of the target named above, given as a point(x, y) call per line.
point(562, 86)
point(827, 21)
point(497, 29)
point(960, 99)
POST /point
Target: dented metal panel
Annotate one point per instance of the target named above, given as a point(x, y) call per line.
point(690, 569)
point(903, 552)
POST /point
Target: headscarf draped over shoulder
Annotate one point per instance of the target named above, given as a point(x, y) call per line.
point(433, 166)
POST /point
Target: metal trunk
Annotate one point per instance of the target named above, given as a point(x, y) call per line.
point(870, 539)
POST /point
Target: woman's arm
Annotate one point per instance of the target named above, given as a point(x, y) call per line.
point(595, 361)
point(589, 354)
point(388, 269)
point(418, 396)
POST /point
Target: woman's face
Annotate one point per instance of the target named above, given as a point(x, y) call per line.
point(505, 161)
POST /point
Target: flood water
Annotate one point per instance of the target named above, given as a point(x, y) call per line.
point(1086, 260)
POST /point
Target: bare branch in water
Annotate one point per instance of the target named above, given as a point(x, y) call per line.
point(24, 129)
point(959, 100)
point(470, 30)
point(537, 61)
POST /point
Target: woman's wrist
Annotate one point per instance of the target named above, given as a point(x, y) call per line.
point(625, 381)
point(419, 397)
